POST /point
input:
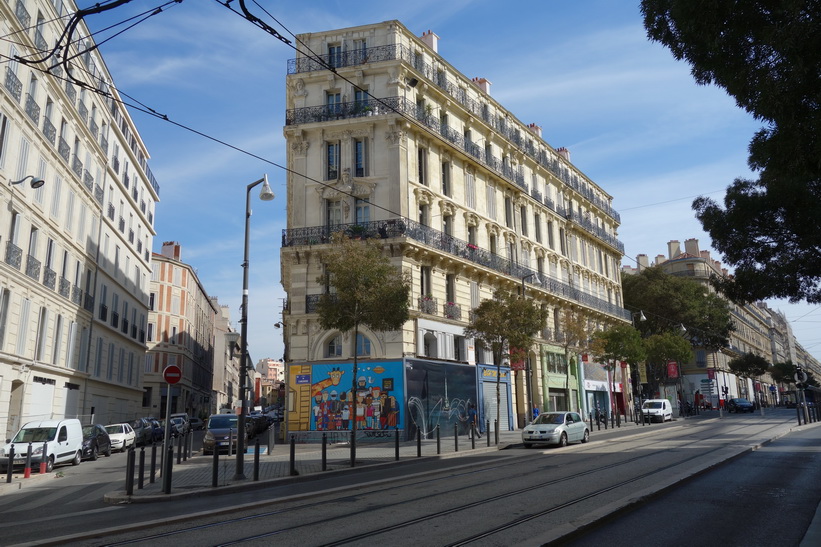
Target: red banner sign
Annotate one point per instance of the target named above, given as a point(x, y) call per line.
point(672, 369)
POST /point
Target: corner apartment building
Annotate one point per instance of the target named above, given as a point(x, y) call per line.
point(76, 248)
point(389, 141)
point(180, 332)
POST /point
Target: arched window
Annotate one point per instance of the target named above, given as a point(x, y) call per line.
point(334, 347)
point(363, 345)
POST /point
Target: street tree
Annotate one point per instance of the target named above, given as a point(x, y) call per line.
point(663, 348)
point(767, 56)
point(748, 365)
point(618, 343)
point(783, 372)
point(365, 289)
point(575, 334)
point(670, 302)
point(506, 324)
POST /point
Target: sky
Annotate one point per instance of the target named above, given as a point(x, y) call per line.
point(631, 115)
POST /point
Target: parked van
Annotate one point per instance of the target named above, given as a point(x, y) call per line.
point(63, 440)
point(657, 410)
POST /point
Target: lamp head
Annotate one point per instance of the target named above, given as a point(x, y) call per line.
point(266, 194)
point(641, 316)
point(35, 181)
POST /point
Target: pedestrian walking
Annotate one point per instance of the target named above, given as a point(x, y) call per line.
point(473, 421)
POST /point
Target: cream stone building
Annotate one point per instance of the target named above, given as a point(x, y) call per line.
point(76, 227)
point(386, 140)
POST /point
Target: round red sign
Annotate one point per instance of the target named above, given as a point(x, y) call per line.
point(172, 374)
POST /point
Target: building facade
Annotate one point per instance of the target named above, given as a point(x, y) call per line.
point(388, 141)
point(180, 332)
point(75, 249)
point(225, 388)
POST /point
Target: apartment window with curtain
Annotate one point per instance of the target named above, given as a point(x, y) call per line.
point(334, 347)
point(22, 333)
point(523, 214)
point(361, 157)
point(42, 327)
point(424, 214)
point(446, 187)
point(509, 222)
point(537, 227)
point(490, 201)
point(447, 225)
point(335, 55)
point(4, 132)
point(58, 339)
point(332, 160)
point(472, 235)
point(333, 100)
point(5, 297)
point(422, 165)
point(425, 283)
point(470, 190)
point(450, 288)
point(333, 212)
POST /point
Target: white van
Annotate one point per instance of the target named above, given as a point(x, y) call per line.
point(63, 440)
point(657, 410)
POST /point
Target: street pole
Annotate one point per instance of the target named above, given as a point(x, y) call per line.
point(528, 387)
point(265, 194)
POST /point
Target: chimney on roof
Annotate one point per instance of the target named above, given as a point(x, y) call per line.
point(705, 255)
point(691, 247)
point(171, 249)
point(673, 248)
point(564, 152)
point(482, 83)
point(642, 262)
point(660, 259)
point(535, 128)
point(431, 40)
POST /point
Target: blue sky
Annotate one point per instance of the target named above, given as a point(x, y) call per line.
point(630, 114)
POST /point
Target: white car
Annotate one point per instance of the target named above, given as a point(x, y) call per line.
point(657, 410)
point(122, 436)
point(557, 428)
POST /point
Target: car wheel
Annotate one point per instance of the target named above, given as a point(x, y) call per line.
point(586, 436)
point(94, 454)
point(49, 464)
point(108, 451)
point(563, 440)
point(78, 457)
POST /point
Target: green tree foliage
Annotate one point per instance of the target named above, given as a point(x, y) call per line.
point(575, 333)
point(506, 324)
point(767, 55)
point(670, 302)
point(618, 343)
point(368, 291)
point(664, 347)
point(783, 373)
point(749, 365)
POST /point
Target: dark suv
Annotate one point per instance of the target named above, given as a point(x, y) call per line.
point(740, 405)
point(143, 432)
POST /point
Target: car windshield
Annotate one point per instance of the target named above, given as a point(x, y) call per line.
point(551, 418)
point(222, 422)
point(652, 404)
point(136, 424)
point(88, 430)
point(35, 435)
point(743, 401)
point(113, 429)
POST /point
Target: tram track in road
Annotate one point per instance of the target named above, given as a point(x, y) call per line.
point(589, 450)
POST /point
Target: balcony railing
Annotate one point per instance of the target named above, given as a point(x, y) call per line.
point(32, 267)
point(14, 255)
point(49, 278)
point(111, 211)
point(40, 42)
point(88, 302)
point(88, 180)
point(77, 166)
point(452, 311)
point(427, 304)
point(49, 131)
point(13, 84)
point(22, 14)
point(64, 149)
point(71, 92)
point(32, 109)
point(402, 227)
point(115, 319)
point(121, 225)
point(64, 288)
point(77, 295)
point(82, 110)
point(103, 312)
point(94, 128)
point(457, 91)
point(98, 194)
point(104, 144)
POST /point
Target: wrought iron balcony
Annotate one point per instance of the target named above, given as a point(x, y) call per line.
point(49, 131)
point(111, 211)
point(94, 128)
point(103, 312)
point(63, 149)
point(343, 59)
point(77, 166)
point(39, 41)
point(82, 110)
point(14, 255)
point(104, 144)
point(115, 164)
point(32, 109)
point(115, 319)
point(403, 227)
point(121, 225)
point(88, 180)
point(64, 288)
point(452, 311)
point(49, 278)
point(32, 267)
point(88, 302)
point(22, 14)
point(124, 326)
point(77, 295)
point(98, 194)
point(427, 304)
point(13, 84)
point(133, 331)
point(71, 92)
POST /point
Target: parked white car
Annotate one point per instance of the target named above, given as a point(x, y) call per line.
point(557, 428)
point(122, 436)
point(657, 410)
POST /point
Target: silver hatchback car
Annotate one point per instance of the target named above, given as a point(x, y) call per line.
point(557, 428)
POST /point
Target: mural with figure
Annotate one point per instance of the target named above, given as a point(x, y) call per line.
point(439, 394)
point(378, 391)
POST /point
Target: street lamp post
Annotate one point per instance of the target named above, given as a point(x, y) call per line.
point(265, 194)
point(528, 387)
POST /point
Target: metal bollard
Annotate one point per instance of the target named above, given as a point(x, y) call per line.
point(44, 458)
point(141, 474)
point(456, 437)
point(215, 467)
point(129, 473)
point(798, 413)
point(324, 451)
point(168, 464)
point(184, 442)
point(487, 432)
point(438, 441)
point(10, 468)
point(397, 443)
point(27, 470)
point(590, 417)
point(293, 456)
point(418, 443)
point(496, 431)
point(152, 477)
point(179, 449)
point(473, 436)
point(256, 459)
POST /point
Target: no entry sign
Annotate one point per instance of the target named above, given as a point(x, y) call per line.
point(172, 374)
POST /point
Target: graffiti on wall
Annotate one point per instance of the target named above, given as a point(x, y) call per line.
point(439, 394)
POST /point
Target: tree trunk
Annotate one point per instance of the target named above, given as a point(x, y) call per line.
point(353, 396)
